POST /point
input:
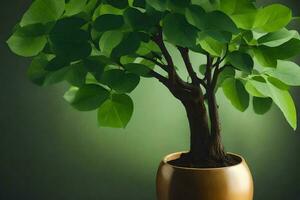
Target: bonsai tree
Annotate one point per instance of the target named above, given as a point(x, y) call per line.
point(103, 49)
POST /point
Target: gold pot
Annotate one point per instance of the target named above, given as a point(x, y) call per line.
point(225, 183)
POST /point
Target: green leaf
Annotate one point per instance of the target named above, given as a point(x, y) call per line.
point(146, 63)
point(251, 89)
point(245, 20)
point(220, 36)
point(43, 11)
point(246, 16)
point(139, 3)
point(258, 86)
point(38, 75)
point(235, 92)
point(70, 94)
point(178, 31)
point(272, 18)
point(284, 101)
point(106, 9)
point(138, 69)
point(36, 71)
point(116, 112)
point(76, 74)
point(127, 59)
point(228, 72)
point(287, 50)
point(208, 5)
point(144, 50)
point(241, 61)
point(160, 5)
point(90, 79)
point(154, 15)
point(212, 21)
point(137, 20)
point(242, 12)
point(268, 56)
point(108, 22)
point(149, 48)
point(202, 69)
point(144, 37)
point(27, 47)
point(286, 71)
point(250, 37)
point(57, 63)
point(265, 57)
point(90, 7)
point(109, 40)
point(212, 46)
point(120, 81)
point(262, 105)
point(56, 76)
point(68, 40)
point(88, 97)
point(196, 16)
point(127, 46)
point(275, 89)
point(28, 41)
point(96, 65)
point(74, 7)
point(233, 7)
point(197, 48)
point(178, 5)
point(277, 38)
point(121, 4)
point(215, 24)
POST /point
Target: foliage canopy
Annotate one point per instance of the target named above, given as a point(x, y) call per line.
point(103, 48)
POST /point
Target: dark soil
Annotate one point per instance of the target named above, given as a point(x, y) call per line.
point(185, 161)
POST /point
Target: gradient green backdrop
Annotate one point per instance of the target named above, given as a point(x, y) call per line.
point(49, 151)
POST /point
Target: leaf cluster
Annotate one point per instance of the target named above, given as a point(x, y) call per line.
point(102, 48)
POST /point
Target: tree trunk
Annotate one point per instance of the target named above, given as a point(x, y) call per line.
point(216, 146)
point(206, 149)
point(199, 130)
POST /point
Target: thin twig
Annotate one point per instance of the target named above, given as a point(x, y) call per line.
point(159, 77)
point(164, 67)
point(220, 60)
point(185, 56)
point(217, 72)
point(158, 39)
point(209, 64)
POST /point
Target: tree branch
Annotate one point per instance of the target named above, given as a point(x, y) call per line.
point(220, 60)
point(203, 83)
point(213, 114)
point(156, 55)
point(156, 75)
point(159, 77)
point(185, 56)
point(217, 72)
point(215, 77)
point(209, 65)
point(163, 66)
point(158, 39)
point(210, 94)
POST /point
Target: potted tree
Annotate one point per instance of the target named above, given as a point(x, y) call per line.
point(103, 48)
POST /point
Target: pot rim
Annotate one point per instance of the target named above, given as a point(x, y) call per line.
point(174, 155)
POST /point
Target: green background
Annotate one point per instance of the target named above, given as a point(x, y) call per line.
point(49, 151)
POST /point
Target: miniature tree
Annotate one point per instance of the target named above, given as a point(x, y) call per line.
point(103, 48)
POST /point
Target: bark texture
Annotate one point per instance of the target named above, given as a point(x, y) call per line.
point(206, 148)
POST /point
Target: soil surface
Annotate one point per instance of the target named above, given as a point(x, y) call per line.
point(185, 161)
